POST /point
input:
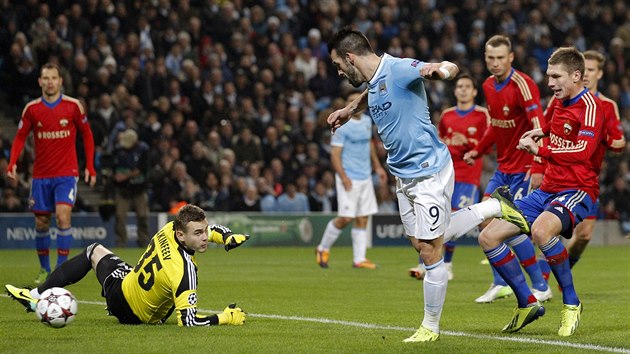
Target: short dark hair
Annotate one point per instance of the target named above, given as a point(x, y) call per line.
point(187, 214)
point(49, 66)
point(499, 40)
point(349, 40)
point(597, 56)
point(466, 76)
point(570, 57)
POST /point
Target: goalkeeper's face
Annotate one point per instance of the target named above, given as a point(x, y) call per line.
point(195, 236)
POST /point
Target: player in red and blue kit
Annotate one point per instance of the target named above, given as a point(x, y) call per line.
point(460, 128)
point(513, 101)
point(575, 127)
point(612, 139)
point(54, 119)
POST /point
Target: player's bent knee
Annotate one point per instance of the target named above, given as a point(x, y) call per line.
point(430, 256)
point(566, 221)
point(583, 235)
point(90, 249)
point(493, 234)
point(584, 230)
point(97, 253)
point(342, 221)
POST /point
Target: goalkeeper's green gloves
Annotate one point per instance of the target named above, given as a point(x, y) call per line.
point(232, 315)
point(224, 236)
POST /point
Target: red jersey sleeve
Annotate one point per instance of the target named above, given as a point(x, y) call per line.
point(533, 108)
point(24, 128)
point(442, 128)
point(82, 124)
point(486, 141)
point(615, 140)
point(548, 113)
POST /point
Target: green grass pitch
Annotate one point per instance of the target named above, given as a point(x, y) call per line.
point(294, 306)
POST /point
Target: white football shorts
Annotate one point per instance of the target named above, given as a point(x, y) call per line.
point(359, 201)
point(425, 203)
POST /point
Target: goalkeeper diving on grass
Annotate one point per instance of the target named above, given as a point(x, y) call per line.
point(164, 279)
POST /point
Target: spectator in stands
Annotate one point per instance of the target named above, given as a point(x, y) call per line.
point(103, 120)
point(318, 200)
point(270, 144)
point(11, 202)
point(131, 168)
point(324, 86)
point(268, 203)
point(616, 203)
point(197, 163)
point(292, 201)
point(249, 201)
point(246, 146)
point(212, 197)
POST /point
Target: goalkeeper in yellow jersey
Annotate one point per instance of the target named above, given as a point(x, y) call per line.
point(164, 279)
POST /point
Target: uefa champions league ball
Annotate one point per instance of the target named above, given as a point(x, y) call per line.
point(56, 307)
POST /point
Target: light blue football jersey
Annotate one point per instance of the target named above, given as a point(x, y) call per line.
point(397, 102)
point(354, 137)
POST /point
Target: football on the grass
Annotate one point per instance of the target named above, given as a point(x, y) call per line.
point(56, 307)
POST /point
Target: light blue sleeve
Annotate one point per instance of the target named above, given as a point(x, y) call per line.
point(407, 71)
point(338, 138)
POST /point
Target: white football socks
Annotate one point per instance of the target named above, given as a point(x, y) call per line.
point(434, 285)
point(330, 236)
point(464, 220)
point(359, 244)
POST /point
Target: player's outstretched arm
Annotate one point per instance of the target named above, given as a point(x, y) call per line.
point(439, 71)
point(341, 116)
point(222, 235)
point(232, 315)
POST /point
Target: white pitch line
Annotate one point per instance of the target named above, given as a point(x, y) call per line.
point(449, 333)
point(409, 329)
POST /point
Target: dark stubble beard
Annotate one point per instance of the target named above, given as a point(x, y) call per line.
point(352, 76)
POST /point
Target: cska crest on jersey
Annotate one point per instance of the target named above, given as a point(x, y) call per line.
point(567, 128)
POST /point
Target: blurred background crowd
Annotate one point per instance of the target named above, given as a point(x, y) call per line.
point(231, 97)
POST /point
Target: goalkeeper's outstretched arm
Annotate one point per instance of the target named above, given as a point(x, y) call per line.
point(231, 315)
point(222, 235)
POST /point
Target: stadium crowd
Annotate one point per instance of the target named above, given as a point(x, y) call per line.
point(232, 96)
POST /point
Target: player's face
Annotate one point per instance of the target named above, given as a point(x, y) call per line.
point(346, 70)
point(195, 237)
point(465, 91)
point(564, 84)
point(50, 82)
point(592, 74)
point(499, 61)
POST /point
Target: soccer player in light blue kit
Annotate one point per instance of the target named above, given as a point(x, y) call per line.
point(397, 102)
point(354, 158)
